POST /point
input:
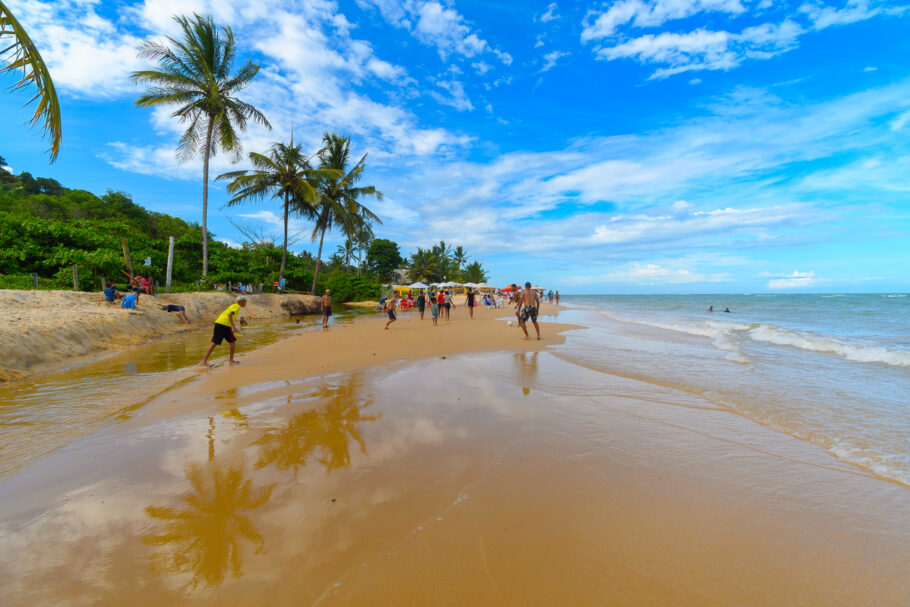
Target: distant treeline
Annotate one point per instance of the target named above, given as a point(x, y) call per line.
point(46, 228)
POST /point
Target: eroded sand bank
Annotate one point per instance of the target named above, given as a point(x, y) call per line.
point(498, 477)
point(43, 329)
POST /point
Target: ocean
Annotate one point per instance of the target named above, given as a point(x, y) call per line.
point(832, 369)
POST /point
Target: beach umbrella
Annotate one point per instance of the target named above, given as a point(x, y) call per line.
point(419, 285)
point(538, 288)
point(508, 288)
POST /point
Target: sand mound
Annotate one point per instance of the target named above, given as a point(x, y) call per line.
point(43, 329)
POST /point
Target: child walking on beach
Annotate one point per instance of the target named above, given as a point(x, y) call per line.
point(225, 329)
point(434, 310)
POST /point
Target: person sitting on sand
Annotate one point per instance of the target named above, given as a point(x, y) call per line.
point(390, 309)
point(179, 309)
point(111, 294)
point(527, 305)
point(225, 329)
point(130, 300)
point(326, 308)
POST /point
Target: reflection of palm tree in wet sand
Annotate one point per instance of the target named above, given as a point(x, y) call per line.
point(323, 433)
point(204, 538)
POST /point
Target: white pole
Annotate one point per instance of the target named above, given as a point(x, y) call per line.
point(170, 263)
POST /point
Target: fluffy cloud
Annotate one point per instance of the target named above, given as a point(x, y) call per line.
point(703, 48)
point(551, 59)
point(437, 25)
point(550, 14)
point(638, 13)
point(796, 280)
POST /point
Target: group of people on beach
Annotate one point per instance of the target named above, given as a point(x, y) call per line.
point(526, 301)
point(130, 299)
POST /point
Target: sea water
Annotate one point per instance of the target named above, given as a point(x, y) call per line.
point(833, 369)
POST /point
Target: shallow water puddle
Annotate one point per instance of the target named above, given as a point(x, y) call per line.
point(477, 479)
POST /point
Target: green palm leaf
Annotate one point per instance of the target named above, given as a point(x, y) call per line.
point(23, 55)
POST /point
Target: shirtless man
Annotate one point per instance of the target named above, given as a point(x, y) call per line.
point(326, 308)
point(527, 309)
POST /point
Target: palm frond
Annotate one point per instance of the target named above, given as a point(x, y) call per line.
point(23, 55)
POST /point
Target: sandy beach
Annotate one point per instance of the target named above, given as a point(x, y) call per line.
point(442, 465)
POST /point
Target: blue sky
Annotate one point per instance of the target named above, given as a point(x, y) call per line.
point(619, 147)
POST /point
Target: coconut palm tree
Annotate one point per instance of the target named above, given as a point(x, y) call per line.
point(363, 238)
point(459, 257)
point(339, 200)
point(346, 250)
point(195, 73)
point(424, 266)
point(20, 53)
point(285, 173)
point(474, 272)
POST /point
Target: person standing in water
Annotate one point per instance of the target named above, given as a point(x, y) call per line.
point(225, 329)
point(557, 297)
point(527, 309)
point(326, 308)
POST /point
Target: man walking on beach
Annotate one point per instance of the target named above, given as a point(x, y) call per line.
point(225, 329)
point(421, 304)
point(527, 309)
point(470, 302)
point(390, 308)
point(326, 308)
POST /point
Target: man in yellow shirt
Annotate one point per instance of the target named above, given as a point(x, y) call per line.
point(225, 329)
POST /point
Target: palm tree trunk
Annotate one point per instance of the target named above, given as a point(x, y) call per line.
point(318, 257)
point(360, 256)
point(205, 198)
point(284, 247)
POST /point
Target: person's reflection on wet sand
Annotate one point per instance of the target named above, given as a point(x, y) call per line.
point(527, 366)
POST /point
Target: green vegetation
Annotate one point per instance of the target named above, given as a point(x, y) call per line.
point(441, 263)
point(47, 228)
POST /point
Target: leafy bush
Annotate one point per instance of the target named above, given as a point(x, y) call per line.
point(348, 287)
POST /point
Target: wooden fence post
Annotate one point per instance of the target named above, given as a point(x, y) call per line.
point(126, 256)
point(75, 279)
point(35, 278)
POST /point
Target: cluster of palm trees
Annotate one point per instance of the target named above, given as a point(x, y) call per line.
point(441, 262)
point(195, 73)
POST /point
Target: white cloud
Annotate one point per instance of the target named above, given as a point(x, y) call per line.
point(435, 24)
point(704, 48)
point(551, 58)
point(457, 97)
point(639, 14)
point(550, 14)
point(796, 280)
point(87, 55)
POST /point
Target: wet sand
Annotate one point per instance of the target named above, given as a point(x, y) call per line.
point(500, 477)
